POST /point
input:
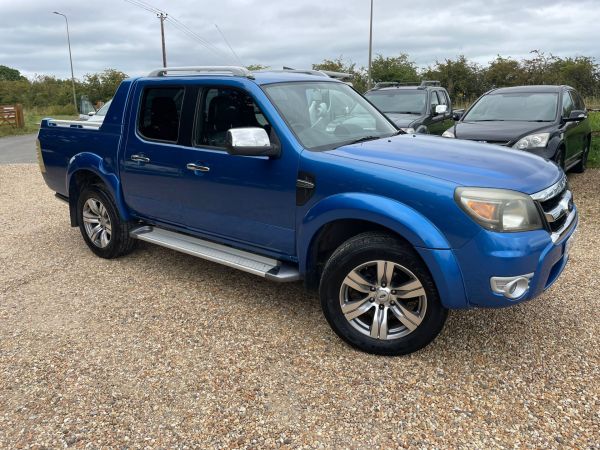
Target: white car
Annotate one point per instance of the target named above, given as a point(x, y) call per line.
point(99, 115)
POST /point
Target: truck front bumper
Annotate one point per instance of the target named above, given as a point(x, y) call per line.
point(491, 256)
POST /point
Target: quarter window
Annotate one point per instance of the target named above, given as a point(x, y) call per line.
point(160, 113)
point(221, 109)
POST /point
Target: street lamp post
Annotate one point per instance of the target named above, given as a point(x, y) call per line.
point(370, 47)
point(70, 59)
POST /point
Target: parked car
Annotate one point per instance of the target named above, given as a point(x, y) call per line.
point(98, 116)
point(414, 108)
point(549, 121)
point(293, 176)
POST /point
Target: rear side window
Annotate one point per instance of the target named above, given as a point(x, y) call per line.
point(160, 113)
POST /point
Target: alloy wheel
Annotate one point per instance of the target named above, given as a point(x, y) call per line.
point(97, 222)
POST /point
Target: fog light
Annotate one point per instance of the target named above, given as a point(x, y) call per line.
point(511, 287)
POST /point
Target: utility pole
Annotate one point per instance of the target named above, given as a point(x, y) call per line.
point(162, 16)
point(70, 59)
point(370, 47)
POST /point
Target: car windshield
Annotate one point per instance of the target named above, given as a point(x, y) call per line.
point(517, 106)
point(326, 115)
point(102, 111)
point(399, 100)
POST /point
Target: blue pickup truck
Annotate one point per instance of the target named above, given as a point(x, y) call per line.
point(292, 175)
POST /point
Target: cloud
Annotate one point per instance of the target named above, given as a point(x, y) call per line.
point(117, 34)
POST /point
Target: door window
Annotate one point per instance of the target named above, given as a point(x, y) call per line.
point(443, 98)
point(221, 109)
point(434, 100)
point(160, 113)
point(567, 104)
point(577, 101)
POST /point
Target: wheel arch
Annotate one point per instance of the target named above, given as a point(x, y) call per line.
point(337, 218)
point(89, 168)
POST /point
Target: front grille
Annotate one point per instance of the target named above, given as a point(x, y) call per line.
point(557, 204)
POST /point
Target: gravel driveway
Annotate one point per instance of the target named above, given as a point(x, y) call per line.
point(160, 349)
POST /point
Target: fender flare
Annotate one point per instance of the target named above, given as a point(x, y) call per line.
point(396, 216)
point(95, 164)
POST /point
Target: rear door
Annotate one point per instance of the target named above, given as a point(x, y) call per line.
point(151, 168)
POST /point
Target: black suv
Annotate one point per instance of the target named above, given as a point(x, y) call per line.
point(414, 108)
point(550, 121)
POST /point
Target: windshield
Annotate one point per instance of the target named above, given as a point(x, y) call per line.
point(326, 115)
point(399, 101)
point(102, 111)
point(521, 106)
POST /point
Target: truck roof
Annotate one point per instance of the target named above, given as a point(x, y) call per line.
point(259, 77)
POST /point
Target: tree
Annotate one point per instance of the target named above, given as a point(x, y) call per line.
point(359, 78)
point(503, 72)
point(10, 74)
point(399, 68)
point(100, 87)
point(255, 67)
point(463, 79)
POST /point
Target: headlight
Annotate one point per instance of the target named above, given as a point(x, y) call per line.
point(499, 209)
point(448, 134)
point(409, 130)
point(533, 141)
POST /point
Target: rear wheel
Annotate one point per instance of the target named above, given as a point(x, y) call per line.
point(103, 230)
point(377, 295)
point(582, 164)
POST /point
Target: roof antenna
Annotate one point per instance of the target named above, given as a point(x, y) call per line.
point(229, 45)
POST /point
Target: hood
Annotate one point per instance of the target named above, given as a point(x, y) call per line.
point(403, 120)
point(462, 162)
point(497, 131)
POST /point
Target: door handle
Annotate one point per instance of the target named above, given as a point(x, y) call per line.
point(140, 158)
point(193, 166)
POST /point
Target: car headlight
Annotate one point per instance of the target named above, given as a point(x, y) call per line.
point(533, 141)
point(448, 134)
point(408, 130)
point(499, 209)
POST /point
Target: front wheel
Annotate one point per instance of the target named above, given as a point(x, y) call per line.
point(377, 295)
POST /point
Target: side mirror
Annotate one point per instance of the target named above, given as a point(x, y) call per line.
point(458, 113)
point(251, 141)
point(441, 109)
point(92, 113)
point(576, 115)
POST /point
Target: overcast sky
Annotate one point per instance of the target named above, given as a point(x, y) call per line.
point(117, 34)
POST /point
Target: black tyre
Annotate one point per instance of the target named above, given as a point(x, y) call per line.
point(582, 164)
point(559, 158)
point(103, 230)
point(378, 295)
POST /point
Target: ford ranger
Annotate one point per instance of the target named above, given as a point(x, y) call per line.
point(292, 175)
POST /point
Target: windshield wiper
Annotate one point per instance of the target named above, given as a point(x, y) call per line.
point(487, 120)
point(364, 139)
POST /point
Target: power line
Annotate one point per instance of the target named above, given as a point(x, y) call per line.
point(229, 45)
point(185, 29)
point(161, 16)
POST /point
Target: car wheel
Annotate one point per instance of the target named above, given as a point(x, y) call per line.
point(559, 158)
point(103, 230)
point(378, 295)
point(582, 164)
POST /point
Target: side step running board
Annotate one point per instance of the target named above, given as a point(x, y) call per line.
point(228, 256)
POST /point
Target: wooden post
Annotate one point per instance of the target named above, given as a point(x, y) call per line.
point(19, 119)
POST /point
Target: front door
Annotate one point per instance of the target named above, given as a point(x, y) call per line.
point(249, 199)
point(575, 133)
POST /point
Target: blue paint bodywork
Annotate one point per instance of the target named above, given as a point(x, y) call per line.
point(404, 183)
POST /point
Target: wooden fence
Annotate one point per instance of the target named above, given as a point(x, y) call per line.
point(12, 115)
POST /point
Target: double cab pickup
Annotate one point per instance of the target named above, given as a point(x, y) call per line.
point(292, 175)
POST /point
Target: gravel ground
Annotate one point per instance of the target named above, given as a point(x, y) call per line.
point(159, 349)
